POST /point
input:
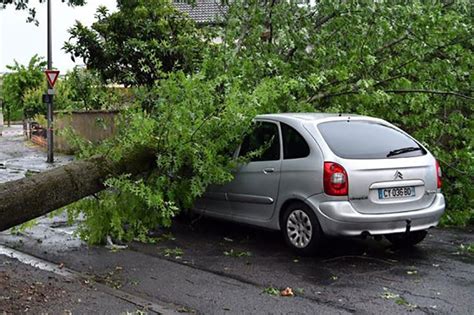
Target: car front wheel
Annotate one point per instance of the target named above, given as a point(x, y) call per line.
point(406, 240)
point(301, 229)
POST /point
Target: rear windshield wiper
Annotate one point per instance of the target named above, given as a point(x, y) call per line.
point(403, 150)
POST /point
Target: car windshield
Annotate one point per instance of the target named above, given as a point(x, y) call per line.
point(367, 140)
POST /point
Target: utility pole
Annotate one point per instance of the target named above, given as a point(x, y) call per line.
point(49, 132)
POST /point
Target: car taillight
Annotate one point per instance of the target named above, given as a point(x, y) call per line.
point(335, 179)
point(438, 174)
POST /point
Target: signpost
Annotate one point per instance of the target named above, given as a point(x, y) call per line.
point(1, 117)
point(52, 76)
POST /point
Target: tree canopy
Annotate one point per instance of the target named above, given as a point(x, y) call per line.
point(19, 81)
point(138, 44)
point(79, 89)
point(25, 5)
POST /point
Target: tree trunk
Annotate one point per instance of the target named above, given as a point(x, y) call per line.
point(8, 117)
point(28, 198)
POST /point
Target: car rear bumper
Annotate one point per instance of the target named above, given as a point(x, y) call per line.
point(339, 218)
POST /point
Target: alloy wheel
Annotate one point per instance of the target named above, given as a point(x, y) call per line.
point(299, 228)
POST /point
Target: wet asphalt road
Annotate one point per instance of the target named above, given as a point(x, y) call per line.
point(17, 157)
point(26, 289)
point(208, 277)
point(214, 267)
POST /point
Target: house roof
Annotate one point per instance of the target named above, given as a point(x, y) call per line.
point(203, 11)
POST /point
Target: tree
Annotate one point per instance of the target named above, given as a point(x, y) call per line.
point(31, 197)
point(139, 44)
point(33, 98)
point(78, 89)
point(25, 5)
point(408, 63)
point(85, 85)
point(17, 83)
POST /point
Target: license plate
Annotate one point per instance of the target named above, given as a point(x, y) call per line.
point(396, 192)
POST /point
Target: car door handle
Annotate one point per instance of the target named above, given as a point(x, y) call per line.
point(268, 170)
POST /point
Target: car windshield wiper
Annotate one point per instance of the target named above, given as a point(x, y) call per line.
point(403, 150)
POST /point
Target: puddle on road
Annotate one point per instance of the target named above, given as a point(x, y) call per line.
point(18, 158)
point(48, 234)
point(17, 168)
point(35, 163)
point(7, 175)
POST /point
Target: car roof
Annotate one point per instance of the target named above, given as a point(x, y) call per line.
point(308, 116)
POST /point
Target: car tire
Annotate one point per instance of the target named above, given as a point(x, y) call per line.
point(301, 229)
point(404, 240)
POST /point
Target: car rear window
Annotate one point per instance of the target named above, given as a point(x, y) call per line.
point(294, 145)
point(367, 140)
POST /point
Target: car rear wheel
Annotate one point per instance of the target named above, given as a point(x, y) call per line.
point(301, 229)
point(406, 240)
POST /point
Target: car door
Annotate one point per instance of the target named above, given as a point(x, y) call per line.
point(214, 202)
point(254, 191)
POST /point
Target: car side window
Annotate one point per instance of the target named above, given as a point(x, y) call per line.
point(294, 145)
point(265, 136)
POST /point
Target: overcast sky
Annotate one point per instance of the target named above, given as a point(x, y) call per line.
point(20, 40)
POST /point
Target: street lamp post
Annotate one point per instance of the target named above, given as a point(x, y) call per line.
point(49, 133)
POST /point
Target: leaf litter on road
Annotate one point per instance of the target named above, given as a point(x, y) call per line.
point(288, 292)
point(176, 252)
point(271, 291)
point(236, 253)
point(399, 300)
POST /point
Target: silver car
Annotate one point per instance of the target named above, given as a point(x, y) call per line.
point(334, 175)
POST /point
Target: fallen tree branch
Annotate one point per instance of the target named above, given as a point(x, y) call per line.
point(391, 44)
point(28, 198)
point(320, 96)
point(382, 82)
point(430, 92)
